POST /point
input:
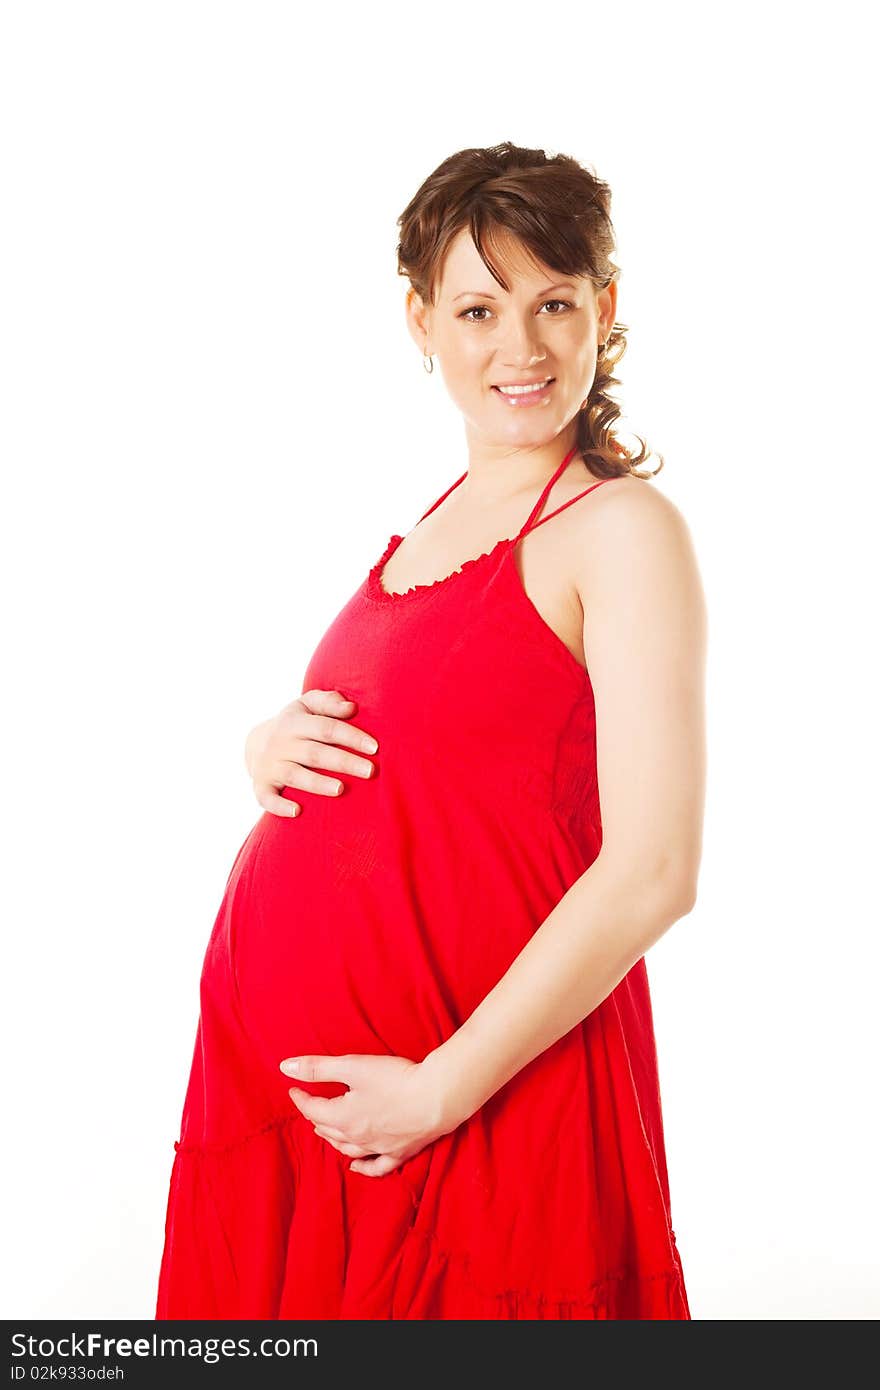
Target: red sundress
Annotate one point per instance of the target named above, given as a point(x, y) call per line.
point(376, 922)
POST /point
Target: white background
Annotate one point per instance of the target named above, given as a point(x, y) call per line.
point(213, 418)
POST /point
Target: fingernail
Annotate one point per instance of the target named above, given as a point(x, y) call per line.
point(370, 745)
point(290, 1066)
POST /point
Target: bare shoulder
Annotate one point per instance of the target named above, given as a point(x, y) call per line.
point(630, 534)
point(630, 503)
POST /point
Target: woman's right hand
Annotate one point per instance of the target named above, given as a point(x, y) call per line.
point(284, 750)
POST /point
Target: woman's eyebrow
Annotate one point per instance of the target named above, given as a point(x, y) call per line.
point(483, 294)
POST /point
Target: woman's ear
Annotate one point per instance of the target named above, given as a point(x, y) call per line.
point(606, 304)
point(418, 320)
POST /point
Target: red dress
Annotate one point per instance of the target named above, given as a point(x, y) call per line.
point(376, 922)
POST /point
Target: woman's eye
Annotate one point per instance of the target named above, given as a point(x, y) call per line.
point(483, 308)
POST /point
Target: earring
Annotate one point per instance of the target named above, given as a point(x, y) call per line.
point(427, 358)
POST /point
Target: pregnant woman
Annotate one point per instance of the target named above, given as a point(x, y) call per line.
point(425, 1081)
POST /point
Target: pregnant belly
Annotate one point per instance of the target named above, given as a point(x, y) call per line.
point(361, 927)
point(328, 938)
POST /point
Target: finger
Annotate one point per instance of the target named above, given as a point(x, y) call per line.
point(326, 701)
point(333, 707)
point(294, 775)
point(300, 771)
point(339, 1135)
point(329, 730)
point(307, 748)
point(350, 1150)
point(318, 1109)
point(376, 1167)
point(309, 753)
point(279, 805)
point(315, 1067)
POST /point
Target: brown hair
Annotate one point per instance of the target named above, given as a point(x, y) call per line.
point(559, 210)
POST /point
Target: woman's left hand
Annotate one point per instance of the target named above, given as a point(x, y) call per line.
point(393, 1109)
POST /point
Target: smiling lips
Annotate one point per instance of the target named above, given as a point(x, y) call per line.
point(526, 394)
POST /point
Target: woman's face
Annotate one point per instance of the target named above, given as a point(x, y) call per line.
point(546, 325)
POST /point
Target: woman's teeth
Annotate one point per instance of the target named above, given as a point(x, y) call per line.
point(525, 394)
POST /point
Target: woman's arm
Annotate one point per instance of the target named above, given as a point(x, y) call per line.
point(645, 633)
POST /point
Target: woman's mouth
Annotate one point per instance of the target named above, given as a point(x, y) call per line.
point(531, 394)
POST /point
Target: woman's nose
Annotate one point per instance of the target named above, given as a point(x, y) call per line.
point(522, 345)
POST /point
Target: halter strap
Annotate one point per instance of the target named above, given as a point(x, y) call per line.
point(530, 522)
point(557, 510)
point(527, 526)
point(443, 497)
